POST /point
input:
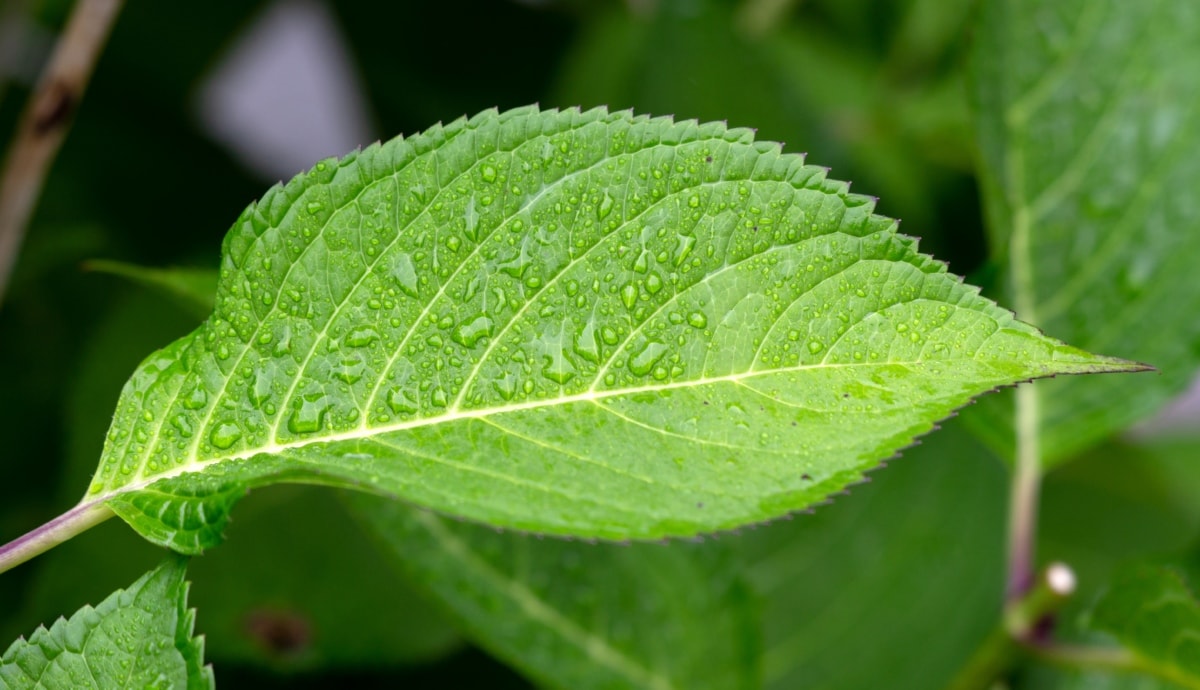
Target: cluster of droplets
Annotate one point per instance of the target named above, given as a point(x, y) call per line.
point(540, 268)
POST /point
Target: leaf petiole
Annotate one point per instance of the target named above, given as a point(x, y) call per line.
point(75, 521)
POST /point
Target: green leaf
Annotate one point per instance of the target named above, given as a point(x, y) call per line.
point(275, 594)
point(137, 637)
point(893, 587)
point(576, 615)
point(498, 318)
point(1154, 614)
point(1088, 114)
point(193, 288)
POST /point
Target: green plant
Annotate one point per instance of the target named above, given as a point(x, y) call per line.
point(600, 325)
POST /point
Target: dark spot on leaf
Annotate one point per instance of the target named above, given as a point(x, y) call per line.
point(806, 477)
point(708, 159)
point(280, 633)
point(700, 505)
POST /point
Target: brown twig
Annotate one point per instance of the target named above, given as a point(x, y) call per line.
point(45, 122)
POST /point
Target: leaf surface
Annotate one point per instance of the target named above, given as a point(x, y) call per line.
point(137, 637)
point(1088, 116)
point(576, 615)
point(1151, 611)
point(576, 323)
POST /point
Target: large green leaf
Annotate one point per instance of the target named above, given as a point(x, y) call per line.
point(893, 587)
point(137, 637)
point(1088, 114)
point(577, 615)
point(577, 323)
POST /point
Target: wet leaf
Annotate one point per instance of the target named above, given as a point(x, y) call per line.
point(575, 323)
point(137, 637)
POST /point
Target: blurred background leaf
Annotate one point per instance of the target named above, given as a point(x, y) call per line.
point(892, 586)
point(577, 615)
point(1086, 115)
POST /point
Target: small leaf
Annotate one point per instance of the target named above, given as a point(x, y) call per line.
point(137, 637)
point(570, 322)
point(1087, 116)
point(1154, 614)
point(582, 616)
point(194, 288)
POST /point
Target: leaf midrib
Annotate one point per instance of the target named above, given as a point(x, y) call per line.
point(367, 433)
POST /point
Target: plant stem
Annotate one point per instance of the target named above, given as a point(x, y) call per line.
point(1023, 498)
point(76, 520)
point(45, 122)
point(1017, 628)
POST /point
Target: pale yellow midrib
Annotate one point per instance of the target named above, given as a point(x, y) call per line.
point(365, 432)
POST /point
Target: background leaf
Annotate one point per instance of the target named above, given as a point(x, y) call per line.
point(1154, 614)
point(893, 586)
point(628, 261)
point(194, 288)
point(137, 637)
point(1086, 114)
point(577, 615)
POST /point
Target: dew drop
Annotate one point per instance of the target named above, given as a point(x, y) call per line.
point(470, 333)
point(225, 435)
point(488, 172)
point(606, 206)
point(196, 399)
point(585, 343)
point(361, 336)
point(472, 220)
point(401, 401)
point(350, 370)
point(653, 283)
point(686, 243)
point(183, 424)
point(405, 273)
point(642, 264)
point(309, 416)
point(697, 319)
point(644, 359)
point(629, 295)
point(506, 386)
point(815, 346)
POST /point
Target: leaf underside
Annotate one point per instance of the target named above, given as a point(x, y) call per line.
point(1088, 116)
point(137, 637)
point(584, 323)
